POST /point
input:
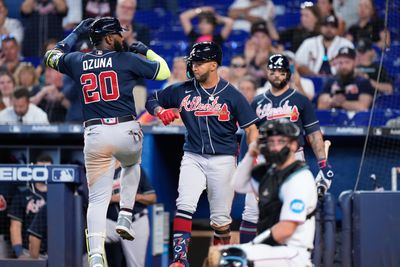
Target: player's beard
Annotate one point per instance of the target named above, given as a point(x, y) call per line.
point(278, 84)
point(118, 47)
point(202, 78)
point(277, 158)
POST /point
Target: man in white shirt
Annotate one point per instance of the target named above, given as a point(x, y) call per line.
point(247, 12)
point(23, 112)
point(287, 201)
point(10, 26)
point(316, 54)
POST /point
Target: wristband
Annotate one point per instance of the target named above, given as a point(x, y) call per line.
point(271, 241)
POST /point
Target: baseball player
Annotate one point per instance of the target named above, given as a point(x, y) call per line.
point(107, 76)
point(134, 252)
point(211, 109)
point(284, 102)
point(287, 198)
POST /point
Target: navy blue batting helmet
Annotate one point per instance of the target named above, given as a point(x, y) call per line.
point(203, 51)
point(104, 26)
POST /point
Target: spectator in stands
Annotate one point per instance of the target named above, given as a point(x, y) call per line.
point(22, 111)
point(37, 235)
point(2, 105)
point(169, 5)
point(134, 252)
point(257, 51)
point(125, 12)
point(347, 9)
point(315, 54)
point(369, 26)
point(25, 205)
point(346, 90)
point(208, 22)
point(7, 87)
point(98, 8)
point(309, 27)
point(10, 53)
point(237, 69)
point(74, 15)
point(248, 87)
point(303, 85)
point(50, 97)
point(223, 72)
point(325, 8)
point(247, 12)
point(25, 76)
point(178, 73)
point(9, 26)
point(42, 20)
point(369, 69)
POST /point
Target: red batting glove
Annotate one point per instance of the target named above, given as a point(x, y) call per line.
point(167, 116)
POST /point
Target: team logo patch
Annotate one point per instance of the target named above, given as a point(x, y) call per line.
point(297, 206)
point(285, 111)
point(221, 111)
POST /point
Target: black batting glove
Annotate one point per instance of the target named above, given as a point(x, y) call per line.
point(138, 48)
point(83, 27)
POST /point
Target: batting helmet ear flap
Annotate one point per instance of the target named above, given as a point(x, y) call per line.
point(189, 71)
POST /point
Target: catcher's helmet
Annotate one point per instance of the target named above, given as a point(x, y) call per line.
point(102, 27)
point(282, 127)
point(234, 257)
point(203, 51)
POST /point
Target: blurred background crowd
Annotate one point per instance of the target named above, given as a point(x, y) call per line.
point(309, 33)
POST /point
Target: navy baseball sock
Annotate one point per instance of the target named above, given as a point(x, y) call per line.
point(182, 234)
point(248, 231)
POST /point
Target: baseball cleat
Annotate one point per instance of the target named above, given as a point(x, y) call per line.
point(123, 227)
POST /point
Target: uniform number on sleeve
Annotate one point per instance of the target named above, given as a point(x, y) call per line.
point(103, 86)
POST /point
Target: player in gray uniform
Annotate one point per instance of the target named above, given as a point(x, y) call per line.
point(211, 110)
point(107, 76)
point(287, 200)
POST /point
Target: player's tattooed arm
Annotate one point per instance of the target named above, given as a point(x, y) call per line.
point(317, 144)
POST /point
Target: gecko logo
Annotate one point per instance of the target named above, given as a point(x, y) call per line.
point(297, 206)
point(63, 174)
point(38, 174)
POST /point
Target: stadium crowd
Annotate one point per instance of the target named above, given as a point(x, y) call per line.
point(333, 53)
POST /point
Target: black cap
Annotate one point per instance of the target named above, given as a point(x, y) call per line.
point(260, 26)
point(346, 52)
point(330, 20)
point(364, 45)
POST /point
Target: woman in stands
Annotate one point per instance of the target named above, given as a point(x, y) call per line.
point(208, 22)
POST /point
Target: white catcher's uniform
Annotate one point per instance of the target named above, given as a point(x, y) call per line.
point(299, 197)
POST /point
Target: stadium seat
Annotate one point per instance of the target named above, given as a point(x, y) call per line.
point(388, 102)
point(332, 117)
point(379, 117)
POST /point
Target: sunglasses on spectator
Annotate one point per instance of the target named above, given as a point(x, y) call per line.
point(238, 65)
point(306, 4)
point(6, 37)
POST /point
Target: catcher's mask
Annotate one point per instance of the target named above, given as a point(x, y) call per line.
point(281, 127)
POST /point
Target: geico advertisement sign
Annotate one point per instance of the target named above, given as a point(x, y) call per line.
point(39, 174)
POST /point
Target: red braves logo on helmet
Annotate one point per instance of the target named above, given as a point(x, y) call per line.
point(272, 113)
point(210, 109)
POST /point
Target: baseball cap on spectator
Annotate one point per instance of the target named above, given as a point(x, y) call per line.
point(259, 26)
point(346, 52)
point(364, 45)
point(330, 20)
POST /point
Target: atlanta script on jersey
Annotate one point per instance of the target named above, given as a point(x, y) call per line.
point(210, 116)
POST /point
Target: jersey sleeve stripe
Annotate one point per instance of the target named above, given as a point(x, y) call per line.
point(35, 234)
point(15, 217)
point(248, 124)
point(311, 124)
point(148, 192)
point(156, 73)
